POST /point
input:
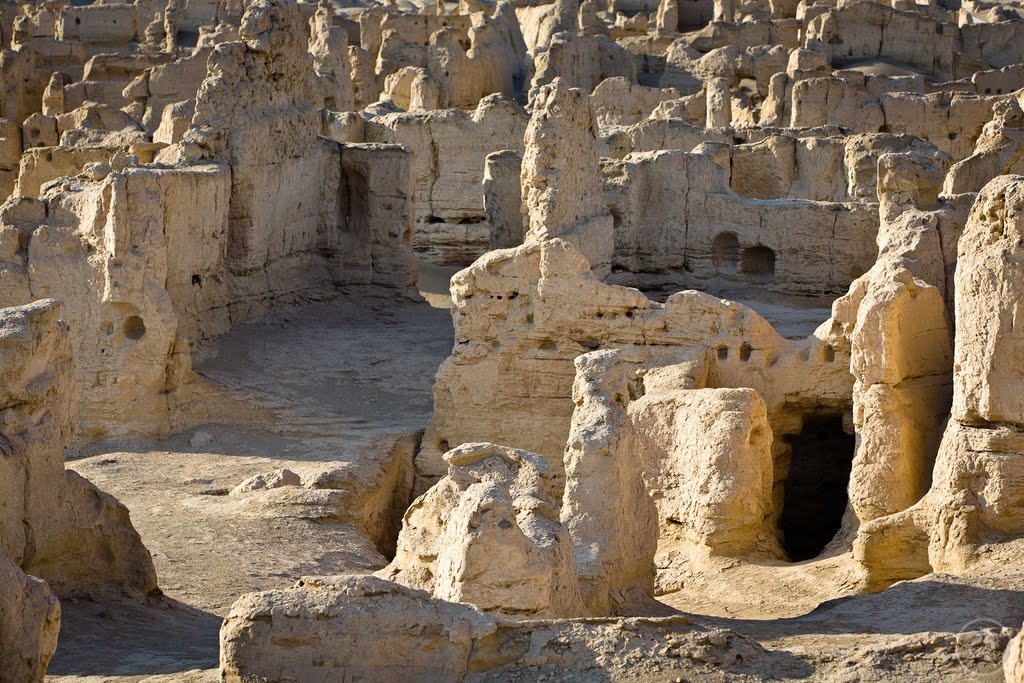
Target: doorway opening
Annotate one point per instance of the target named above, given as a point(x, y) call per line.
point(815, 491)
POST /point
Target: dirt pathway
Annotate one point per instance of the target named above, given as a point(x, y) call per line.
point(331, 382)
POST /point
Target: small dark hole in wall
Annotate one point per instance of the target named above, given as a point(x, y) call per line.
point(197, 279)
point(134, 327)
point(758, 261)
point(725, 252)
point(78, 20)
point(636, 388)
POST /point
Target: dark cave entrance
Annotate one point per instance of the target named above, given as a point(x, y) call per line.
point(815, 491)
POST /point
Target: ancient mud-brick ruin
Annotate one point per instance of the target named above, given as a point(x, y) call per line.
point(511, 340)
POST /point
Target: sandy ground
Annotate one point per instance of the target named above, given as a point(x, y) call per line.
point(329, 382)
point(332, 382)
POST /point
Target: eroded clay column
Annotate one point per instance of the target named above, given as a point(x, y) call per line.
point(561, 177)
point(725, 10)
point(719, 101)
point(503, 200)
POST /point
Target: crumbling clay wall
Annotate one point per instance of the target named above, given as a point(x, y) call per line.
point(55, 524)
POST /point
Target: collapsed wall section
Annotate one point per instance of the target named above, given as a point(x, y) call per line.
point(700, 229)
point(522, 315)
point(251, 210)
point(448, 150)
point(53, 523)
point(972, 500)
